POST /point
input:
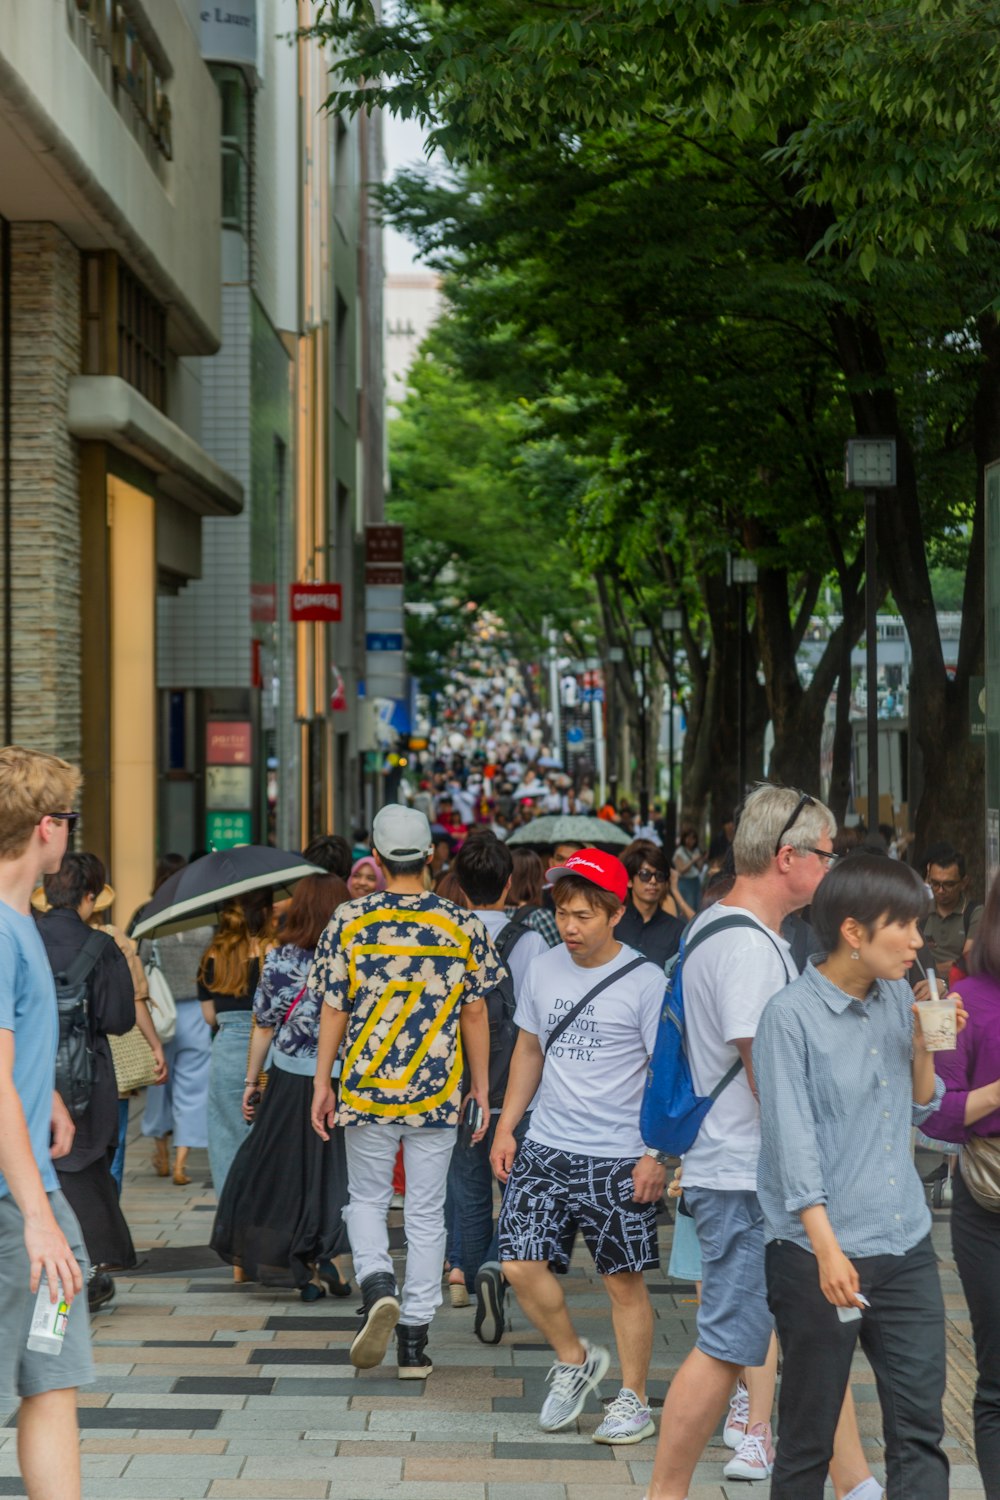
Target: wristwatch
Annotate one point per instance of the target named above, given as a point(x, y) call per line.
point(662, 1158)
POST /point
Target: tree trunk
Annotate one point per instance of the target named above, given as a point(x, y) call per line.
point(952, 801)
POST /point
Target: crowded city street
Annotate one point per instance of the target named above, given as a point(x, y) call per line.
point(499, 750)
point(209, 1389)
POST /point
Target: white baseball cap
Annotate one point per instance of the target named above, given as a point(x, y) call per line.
point(401, 832)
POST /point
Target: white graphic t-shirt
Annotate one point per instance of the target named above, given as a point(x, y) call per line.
point(592, 1084)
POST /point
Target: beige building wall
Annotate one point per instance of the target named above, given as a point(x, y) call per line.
point(132, 542)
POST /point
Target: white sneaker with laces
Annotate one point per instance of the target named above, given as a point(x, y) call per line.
point(571, 1385)
point(626, 1420)
point(738, 1416)
point(754, 1458)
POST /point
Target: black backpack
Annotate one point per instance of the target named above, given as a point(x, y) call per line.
point(500, 1006)
point(75, 1057)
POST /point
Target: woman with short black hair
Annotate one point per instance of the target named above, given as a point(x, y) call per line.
point(843, 1074)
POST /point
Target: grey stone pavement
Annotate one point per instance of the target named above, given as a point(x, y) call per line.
point(208, 1389)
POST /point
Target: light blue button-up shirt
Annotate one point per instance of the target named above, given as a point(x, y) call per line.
point(835, 1080)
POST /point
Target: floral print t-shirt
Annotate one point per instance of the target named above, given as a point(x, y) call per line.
point(282, 981)
point(402, 966)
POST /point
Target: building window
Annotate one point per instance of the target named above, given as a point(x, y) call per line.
point(125, 329)
point(237, 130)
point(131, 66)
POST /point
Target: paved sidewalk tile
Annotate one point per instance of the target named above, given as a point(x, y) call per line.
point(211, 1391)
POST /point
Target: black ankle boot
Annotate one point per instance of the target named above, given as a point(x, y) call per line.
point(411, 1357)
point(381, 1314)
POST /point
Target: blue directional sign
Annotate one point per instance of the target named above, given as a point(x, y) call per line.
point(575, 735)
point(383, 640)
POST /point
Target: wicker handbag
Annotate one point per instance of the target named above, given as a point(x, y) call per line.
point(135, 1065)
point(980, 1167)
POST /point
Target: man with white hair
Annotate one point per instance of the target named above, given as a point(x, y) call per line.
point(782, 849)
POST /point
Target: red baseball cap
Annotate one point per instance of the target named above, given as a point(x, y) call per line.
point(601, 869)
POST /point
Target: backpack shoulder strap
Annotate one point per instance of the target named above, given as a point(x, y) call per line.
point(609, 979)
point(726, 924)
point(86, 960)
point(508, 938)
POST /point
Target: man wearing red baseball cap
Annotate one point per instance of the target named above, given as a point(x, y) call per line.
point(588, 1013)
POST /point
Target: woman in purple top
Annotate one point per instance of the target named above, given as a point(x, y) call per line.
point(971, 1106)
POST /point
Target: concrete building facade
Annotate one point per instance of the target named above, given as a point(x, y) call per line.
point(187, 271)
point(292, 405)
point(109, 281)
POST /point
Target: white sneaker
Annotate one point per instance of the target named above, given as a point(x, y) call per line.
point(626, 1420)
point(737, 1417)
point(571, 1385)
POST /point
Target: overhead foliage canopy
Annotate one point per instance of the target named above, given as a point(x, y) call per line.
point(701, 243)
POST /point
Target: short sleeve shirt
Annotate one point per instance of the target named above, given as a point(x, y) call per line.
point(402, 966)
point(28, 1009)
point(728, 980)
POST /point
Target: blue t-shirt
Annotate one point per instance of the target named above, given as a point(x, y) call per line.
point(28, 1009)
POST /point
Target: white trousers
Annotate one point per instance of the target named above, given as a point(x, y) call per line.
point(371, 1156)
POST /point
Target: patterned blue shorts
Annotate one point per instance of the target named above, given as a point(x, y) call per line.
point(550, 1194)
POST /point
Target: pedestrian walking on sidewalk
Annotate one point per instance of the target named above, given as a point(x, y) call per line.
point(39, 1233)
point(402, 977)
point(85, 1171)
point(484, 867)
point(227, 982)
point(843, 1074)
point(969, 1117)
point(280, 1215)
point(782, 847)
point(587, 1015)
point(177, 1111)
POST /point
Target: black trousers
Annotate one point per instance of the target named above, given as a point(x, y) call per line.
point(975, 1239)
point(902, 1333)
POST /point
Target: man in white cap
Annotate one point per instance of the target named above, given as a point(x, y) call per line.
point(402, 977)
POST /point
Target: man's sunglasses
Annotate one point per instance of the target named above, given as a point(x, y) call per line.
point(650, 877)
point(804, 801)
point(69, 818)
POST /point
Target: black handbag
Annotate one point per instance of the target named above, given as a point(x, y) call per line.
point(75, 1055)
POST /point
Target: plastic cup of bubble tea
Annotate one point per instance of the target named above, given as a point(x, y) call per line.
point(48, 1321)
point(939, 1024)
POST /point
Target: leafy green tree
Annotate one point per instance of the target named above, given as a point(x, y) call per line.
point(801, 197)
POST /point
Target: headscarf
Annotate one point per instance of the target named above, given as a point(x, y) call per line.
point(366, 859)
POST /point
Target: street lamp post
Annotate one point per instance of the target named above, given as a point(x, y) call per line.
point(597, 726)
point(870, 465)
point(643, 639)
point(616, 655)
point(672, 620)
point(742, 572)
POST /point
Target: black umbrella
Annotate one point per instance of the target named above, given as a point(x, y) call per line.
point(209, 883)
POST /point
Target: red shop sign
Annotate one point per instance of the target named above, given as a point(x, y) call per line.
point(228, 742)
point(316, 601)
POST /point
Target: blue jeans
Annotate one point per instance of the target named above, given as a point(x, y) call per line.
point(227, 1129)
point(470, 1184)
point(118, 1164)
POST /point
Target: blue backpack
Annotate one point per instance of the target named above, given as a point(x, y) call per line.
point(672, 1112)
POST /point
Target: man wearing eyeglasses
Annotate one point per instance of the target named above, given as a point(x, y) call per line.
point(951, 928)
point(39, 1234)
point(646, 926)
point(782, 848)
